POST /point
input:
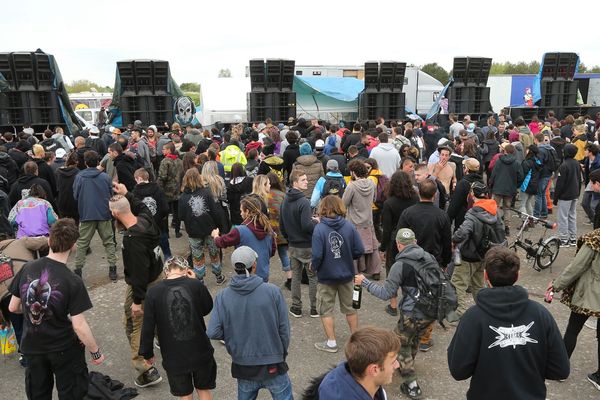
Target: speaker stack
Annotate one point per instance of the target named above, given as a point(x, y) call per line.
point(271, 94)
point(383, 96)
point(27, 95)
point(558, 89)
point(145, 93)
point(469, 93)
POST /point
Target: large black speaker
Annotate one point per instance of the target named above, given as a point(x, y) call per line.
point(468, 100)
point(390, 105)
point(143, 77)
point(559, 66)
point(148, 109)
point(559, 93)
point(257, 75)
point(387, 76)
point(471, 71)
point(31, 97)
point(279, 106)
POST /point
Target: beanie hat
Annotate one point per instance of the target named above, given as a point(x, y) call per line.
point(305, 149)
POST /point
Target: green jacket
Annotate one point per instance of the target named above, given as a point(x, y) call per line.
point(580, 282)
point(170, 174)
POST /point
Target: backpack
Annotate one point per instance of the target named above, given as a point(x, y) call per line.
point(490, 237)
point(333, 185)
point(552, 161)
point(94, 144)
point(436, 294)
point(382, 182)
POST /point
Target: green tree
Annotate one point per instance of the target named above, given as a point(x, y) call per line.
point(84, 85)
point(225, 73)
point(436, 71)
point(190, 87)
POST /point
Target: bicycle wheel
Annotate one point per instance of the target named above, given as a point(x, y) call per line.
point(547, 252)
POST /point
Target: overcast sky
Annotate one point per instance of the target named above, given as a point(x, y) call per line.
point(200, 37)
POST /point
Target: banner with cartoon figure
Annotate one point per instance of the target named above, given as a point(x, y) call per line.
point(184, 111)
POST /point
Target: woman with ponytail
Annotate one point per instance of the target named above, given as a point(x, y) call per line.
point(255, 232)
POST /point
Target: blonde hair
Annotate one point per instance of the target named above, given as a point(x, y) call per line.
point(259, 187)
point(212, 179)
point(192, 180)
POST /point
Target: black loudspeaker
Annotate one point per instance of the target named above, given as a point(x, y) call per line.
point(257, 75)
point(559, 66)
point(471, 71)
point(559, 93)
point(287, 75)
point(371, 76)
point(279, 106)
point(143, 77)
point(148, 109)
point(390, 106)
point(30, 97)
point(274, 76)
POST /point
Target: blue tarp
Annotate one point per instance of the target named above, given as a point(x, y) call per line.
point(344, 89)
point(435, 107)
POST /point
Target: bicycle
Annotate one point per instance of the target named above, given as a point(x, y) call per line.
point(543, 252)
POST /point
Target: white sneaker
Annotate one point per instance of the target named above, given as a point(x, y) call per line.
point(590, 324)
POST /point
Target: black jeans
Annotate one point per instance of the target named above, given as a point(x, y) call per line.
point(576, 322)
point(69, 369)
point(176, 222)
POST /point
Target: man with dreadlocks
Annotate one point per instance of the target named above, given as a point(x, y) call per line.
point(254, 232)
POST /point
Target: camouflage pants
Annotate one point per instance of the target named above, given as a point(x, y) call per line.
point(410, 330)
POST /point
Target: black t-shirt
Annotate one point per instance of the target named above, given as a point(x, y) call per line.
point(49, 294)
point(176, 309)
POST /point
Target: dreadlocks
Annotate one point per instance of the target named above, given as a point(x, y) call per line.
point(252, 205)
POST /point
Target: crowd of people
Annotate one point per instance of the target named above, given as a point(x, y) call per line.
point(341, 206)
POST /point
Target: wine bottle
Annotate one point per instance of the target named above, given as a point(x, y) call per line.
point(356, 297)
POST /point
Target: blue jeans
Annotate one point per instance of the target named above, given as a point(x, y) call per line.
point(280, 388)
point(540, 209)
point(164, 244)
point(282, 250)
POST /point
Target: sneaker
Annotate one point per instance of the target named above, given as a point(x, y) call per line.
point(411, 390)
point(156, 343)
point(392, 311)
point(323, 346)
point(178, 234)
point(221, 279)
point(573, 242)
point(588, 223)
point(148, 378)
point(296, 311)
point(288, 284)
point(23, 361)
point(564, 243)
point(77, 271)
point(507, 230)
point(594, 379)
point(112, 273)
point(424, 347)
point(314, 313)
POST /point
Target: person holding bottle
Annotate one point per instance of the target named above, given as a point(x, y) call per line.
point(335, 245)
point(413, 323)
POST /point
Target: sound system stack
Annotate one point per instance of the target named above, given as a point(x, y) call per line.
point(271, 94)
point(383, 96)
point(27, 93)
point(469, 93)
point(558, 89)
point(145, 92)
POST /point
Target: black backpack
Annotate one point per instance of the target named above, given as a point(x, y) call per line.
point(490, 237)
point(552, 160)
point(333, 185)
point(436, 294)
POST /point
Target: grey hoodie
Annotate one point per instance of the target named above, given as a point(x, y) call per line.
point(387, 157)
point(402, 275)
point(358, 199)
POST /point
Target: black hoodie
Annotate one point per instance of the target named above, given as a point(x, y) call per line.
point(235, 191)
point(67, 205)
point(459, 203)
point(24, 183)
point(12, 169)
point(153, 197)
point(568, 181)
point(295, 219)
point(46, 173)
point(508, 345)
point(199, 213)
point(19, 156)
point(125, 167)
point(141, 266)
